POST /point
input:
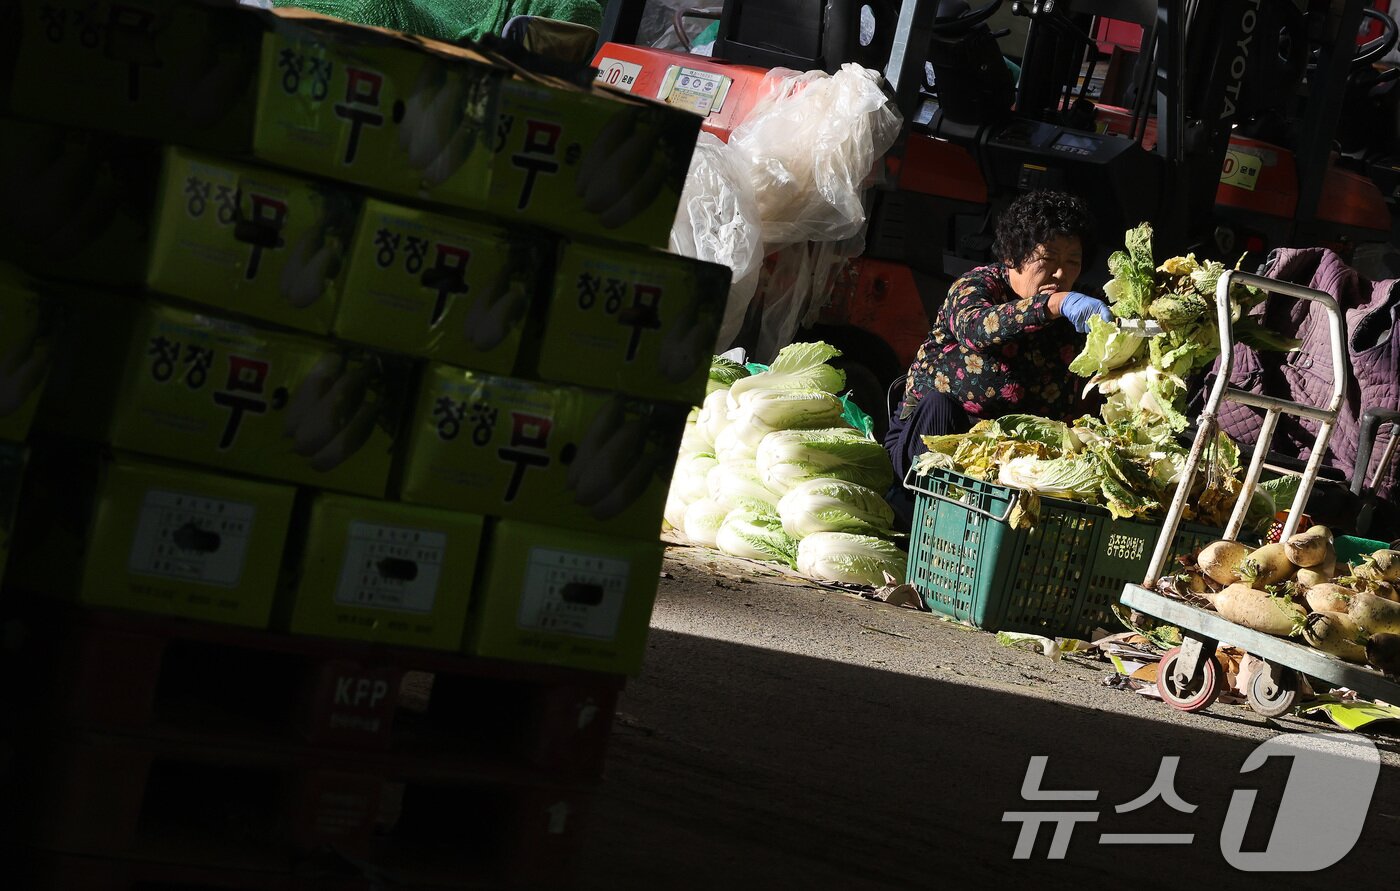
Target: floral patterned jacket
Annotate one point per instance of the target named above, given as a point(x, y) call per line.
point(996, 353)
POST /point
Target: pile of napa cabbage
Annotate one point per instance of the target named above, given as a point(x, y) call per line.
point(771, 469)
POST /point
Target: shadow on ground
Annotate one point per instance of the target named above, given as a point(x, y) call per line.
point(737, 766)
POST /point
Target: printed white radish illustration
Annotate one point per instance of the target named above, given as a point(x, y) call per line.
point(618, 173)
point(500, 317)
point(304, 275)
point(686, 348)
point(638, 196)
point(600, 154)
point(606, 467)
point(623, 494)
point(424, 89)
point(453, 155)
point(604, 424)
point(437, 124)
point(349, 440)
point(328, 416)
point(311, 389)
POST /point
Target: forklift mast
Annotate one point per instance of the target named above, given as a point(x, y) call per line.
point(1206, 68)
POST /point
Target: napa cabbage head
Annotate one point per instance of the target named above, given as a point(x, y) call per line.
point(739, 442)
point(1078, 478)
point(833, 505)
point(702, 521)
point(714, 415)
point(674, 514)
point(695, 440)
point(736, 484)
point(853, 559)
point(689, 480)
point(780, 409)
point(756, 535)
point(799, 366)
point(788, 457)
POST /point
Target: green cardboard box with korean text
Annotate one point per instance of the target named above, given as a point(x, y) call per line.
point(568, 456)
point(440, 287)
point(250, 241)
point(565, 597)
point(25, 351)
point(638, 321)
point(187, 386)
point(588, 160)
point(130, 533)
point(177, 71)
point(383, 572)
point(374, 108)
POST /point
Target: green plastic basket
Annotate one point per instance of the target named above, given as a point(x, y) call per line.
point(1350, 548)
point(1060, 578)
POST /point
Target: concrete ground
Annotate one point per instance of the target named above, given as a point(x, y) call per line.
point(789, 736)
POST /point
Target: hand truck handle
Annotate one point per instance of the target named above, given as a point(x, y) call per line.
point(1221, 391)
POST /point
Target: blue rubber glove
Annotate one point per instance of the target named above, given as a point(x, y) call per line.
point(1078, 308)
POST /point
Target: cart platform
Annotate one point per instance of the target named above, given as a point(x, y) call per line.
point(1204, 626)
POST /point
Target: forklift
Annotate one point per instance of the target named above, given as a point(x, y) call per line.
point(1180, 135)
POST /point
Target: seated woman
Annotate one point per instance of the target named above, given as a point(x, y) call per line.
point(998, 345)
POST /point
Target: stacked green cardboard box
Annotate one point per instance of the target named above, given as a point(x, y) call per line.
point(24, 359)
point(358, 335)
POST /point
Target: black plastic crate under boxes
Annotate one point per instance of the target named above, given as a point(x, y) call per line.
point(1059, 578)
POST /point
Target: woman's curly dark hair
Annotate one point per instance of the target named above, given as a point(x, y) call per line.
point(1037, 217)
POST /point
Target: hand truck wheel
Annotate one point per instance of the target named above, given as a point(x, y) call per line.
point(1188, 693)
point(1273, 691)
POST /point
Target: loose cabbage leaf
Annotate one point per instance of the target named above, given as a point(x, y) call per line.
point(1105, 348)
point(1250, 331)
point(1075, 478)
point(724, 373)
point(1133, 284)
point(1054, 435)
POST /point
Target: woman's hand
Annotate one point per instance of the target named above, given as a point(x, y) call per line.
point(1078, 308)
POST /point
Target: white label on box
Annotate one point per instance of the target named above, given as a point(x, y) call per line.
point(193, 538)
point(568, 592)
point(391, 567)
point(617, 73)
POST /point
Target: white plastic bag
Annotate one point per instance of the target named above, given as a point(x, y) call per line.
point(796, 283)
point(717, 220)
point(811, 147)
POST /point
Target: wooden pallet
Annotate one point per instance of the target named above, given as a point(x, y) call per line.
point(286, 813)
point(196, 682)
point(47, 871)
